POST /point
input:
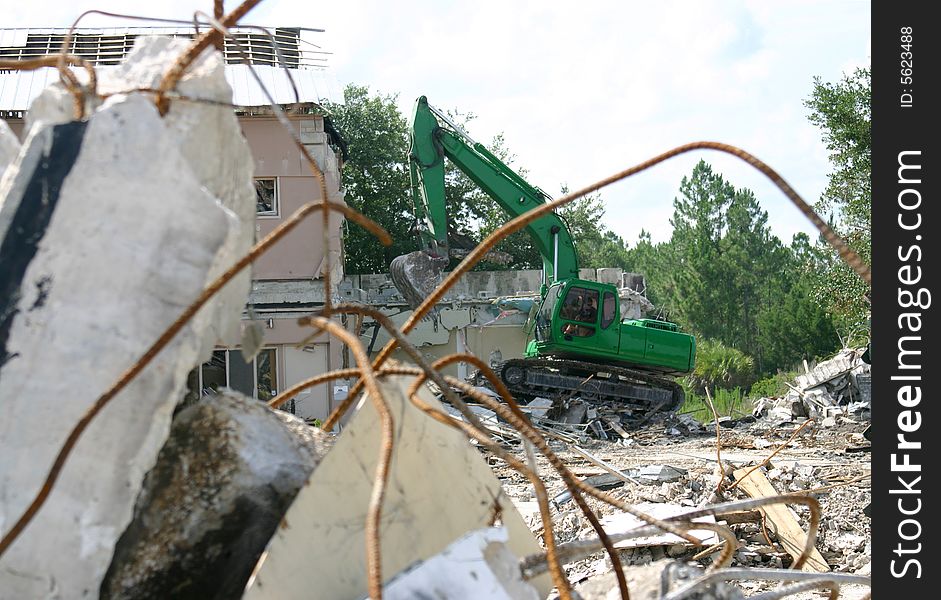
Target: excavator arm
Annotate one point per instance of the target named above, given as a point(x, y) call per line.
point(434, 138)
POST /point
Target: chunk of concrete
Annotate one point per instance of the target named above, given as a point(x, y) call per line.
point(108, 234)
point(624, 522)
point(539, 407)
point(646, 583)
point(9, 147)
point(222, 482)
point(478, 565)
point(439, 489)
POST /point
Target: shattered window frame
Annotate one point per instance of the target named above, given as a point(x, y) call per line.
point(267, 201)
point(222, 359)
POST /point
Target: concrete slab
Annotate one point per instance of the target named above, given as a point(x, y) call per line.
point(439, 489)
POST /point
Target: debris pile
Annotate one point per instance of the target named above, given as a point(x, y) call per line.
point(839, 386)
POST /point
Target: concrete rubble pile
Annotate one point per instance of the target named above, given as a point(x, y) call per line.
point(689, 480)
point(841, 385)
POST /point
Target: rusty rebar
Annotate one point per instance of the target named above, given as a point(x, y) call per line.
point(374, 514)
point(173, 75)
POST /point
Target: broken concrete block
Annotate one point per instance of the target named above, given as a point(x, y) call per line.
point(539, 407)
point(477, 565)
point(9, 147)
point(624, 522)
point(228, 472)
point(107, 236)
point(575, 413)
point(828, 370)
point(659, 473)
point(439, 489)
point(820, 396)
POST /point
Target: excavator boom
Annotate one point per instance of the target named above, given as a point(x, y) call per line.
point(434, 138)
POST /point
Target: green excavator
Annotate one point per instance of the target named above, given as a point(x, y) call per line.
point(578, 343)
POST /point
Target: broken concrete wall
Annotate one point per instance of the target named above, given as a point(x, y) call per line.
point(131, 215)
point(481, 284)
point(9, 147)
point(839, 385)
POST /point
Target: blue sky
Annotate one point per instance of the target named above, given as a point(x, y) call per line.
point(582, 90)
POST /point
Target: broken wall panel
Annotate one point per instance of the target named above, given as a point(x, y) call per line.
point(135, 235)
point(439, 488)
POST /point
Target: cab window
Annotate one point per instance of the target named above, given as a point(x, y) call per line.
point(609, 310)
point(580, 306)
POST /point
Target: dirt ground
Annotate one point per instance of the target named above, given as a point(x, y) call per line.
point(817, 458)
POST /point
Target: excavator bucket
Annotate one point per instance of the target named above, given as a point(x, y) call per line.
point(416, 275)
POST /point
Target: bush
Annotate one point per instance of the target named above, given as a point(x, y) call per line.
point(772, 387)
point(728, 403)
point(718, 366)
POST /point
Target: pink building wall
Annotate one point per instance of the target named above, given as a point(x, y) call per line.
point(300, 254)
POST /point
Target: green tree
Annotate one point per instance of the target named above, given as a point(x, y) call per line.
point(597, 246)
point(725, 277)
point(843, 112)
point(375, 176)
point(795, 326)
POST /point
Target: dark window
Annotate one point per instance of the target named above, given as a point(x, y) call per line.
point(609, 310)
point(544, 316)
point(256, 378)
point(580, 305)
point(266, 196)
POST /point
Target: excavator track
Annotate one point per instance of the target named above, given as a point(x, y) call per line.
point(644, 393)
